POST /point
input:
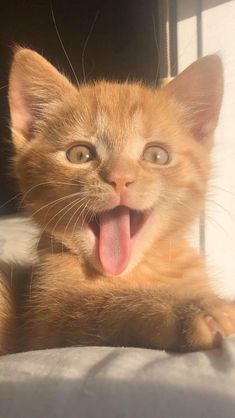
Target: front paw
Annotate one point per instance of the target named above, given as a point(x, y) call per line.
point(204, 325)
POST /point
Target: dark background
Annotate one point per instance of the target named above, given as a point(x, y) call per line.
point(121, 45)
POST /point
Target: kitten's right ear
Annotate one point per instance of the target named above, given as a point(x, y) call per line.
point(198, 92)
point(34, 87)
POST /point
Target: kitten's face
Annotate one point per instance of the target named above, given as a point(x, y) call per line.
point(108, 168)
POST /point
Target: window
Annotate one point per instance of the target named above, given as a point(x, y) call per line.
point(206, 27)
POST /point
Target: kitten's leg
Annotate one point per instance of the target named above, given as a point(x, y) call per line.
point(6, 314)
point(129, 315)
point(162, 319)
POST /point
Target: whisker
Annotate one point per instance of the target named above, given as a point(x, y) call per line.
point(61, 42)
point(50, 220)
point(71, 184)
point(222, 189)
point(72, 204)
point(78, 219)
point(60, 199)
point(67, 208)
point(76, 222)
point(82, 213)
point(213, 221)
point(157, 47)
point(69, 205)
point(74, 214)
point(10, 200)
point(33, 188)
point(222, 207)
point(86, 43)
point(37, 244)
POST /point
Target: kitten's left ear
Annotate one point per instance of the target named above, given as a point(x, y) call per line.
point(199, 90)
point(35, 87)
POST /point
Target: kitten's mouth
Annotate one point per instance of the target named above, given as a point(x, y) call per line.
point(115, 231)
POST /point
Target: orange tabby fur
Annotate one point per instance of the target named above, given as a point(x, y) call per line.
point(163, 298)
point(6, 313)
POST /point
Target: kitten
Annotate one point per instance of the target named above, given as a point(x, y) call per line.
point(115, 174)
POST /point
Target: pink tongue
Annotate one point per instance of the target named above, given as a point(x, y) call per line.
point(114, 240)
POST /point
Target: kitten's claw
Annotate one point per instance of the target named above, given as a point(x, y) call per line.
point(217, 332)
point(210, 327)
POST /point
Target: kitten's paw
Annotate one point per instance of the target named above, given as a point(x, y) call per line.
point(208, 326)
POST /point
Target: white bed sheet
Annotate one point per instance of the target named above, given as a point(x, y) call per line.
point(104, 382)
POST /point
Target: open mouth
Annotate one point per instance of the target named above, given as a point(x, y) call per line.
point(115, 231)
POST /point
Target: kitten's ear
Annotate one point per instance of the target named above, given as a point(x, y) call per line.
point(34, 86)
point(199, 91)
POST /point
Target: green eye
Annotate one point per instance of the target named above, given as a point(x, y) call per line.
point(156, 155)
point(80, 154)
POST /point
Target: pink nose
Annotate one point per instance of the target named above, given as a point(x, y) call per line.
point(120, 183)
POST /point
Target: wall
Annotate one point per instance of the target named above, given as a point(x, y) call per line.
point(214, 21)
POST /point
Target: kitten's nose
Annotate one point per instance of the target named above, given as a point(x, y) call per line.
point(121, 182)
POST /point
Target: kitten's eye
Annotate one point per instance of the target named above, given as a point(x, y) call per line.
point(156, 155)
point(80, 154)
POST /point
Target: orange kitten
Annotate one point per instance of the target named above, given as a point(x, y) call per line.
point(115, 174)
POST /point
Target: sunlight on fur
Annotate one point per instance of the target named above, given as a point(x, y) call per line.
point(114, 174)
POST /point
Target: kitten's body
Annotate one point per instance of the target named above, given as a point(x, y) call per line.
point(114, 267)
point(141, 308)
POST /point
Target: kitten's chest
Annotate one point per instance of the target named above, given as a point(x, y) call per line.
point(168, 265)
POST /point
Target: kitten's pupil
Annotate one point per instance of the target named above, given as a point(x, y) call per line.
point(82, 156)
point(79, 154)
point(156, 157)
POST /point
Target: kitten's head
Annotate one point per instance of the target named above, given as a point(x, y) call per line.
point(110, 168)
